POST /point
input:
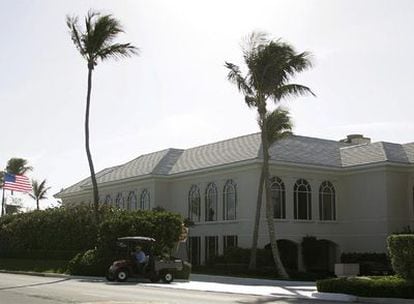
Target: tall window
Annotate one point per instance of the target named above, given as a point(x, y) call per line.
point(194, 204)
point(211, 247)
point(108, 200)
point(229, 241)
point(327, 202)
point(229, 201)
point(277, 188)
point(302, 200)
point(194, 247)
point(211, 203)
point(145, 200)
point(119, 202)
point(132, 203)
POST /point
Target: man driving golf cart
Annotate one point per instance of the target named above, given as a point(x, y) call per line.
point(141, 262)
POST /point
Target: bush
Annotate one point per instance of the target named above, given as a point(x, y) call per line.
point(90, 262)
point(379, 287)
point(61, 233)
point(401, 249)
point(371, 263)
point(50, 231)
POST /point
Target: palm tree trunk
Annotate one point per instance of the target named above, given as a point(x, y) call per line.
point(269, 206)
point(37, 203)
point(253, 250)
point(88, 151)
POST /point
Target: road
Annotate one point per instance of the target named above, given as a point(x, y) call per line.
point(24, 289)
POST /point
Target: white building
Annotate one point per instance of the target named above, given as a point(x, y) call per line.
point(351, 194)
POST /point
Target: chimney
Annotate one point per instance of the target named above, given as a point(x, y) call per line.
point(356, 139)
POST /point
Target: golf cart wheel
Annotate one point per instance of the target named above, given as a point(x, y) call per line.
point(167, 277)
point(121, 275)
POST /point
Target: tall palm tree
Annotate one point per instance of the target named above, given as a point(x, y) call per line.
point(18, 166)
point(279, 125)
point(14, 165)
point(96, 43)
point(39, 191)
point(271, 64)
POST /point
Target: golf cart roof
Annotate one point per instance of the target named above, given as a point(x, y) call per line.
point(136, 239)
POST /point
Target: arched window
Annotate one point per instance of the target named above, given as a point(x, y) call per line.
point(277, 188)
point(211, 202)
point(145, 200)
point(194, 202)
point(229, 201)
point(132, 203)
point(327, 202)
point(119, 202)
point(108, 200)
point(302, 200)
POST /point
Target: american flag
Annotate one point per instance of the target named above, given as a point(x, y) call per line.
point(19, 183)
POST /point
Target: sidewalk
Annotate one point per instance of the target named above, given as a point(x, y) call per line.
point(259, 287)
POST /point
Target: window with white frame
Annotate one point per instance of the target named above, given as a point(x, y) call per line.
point(132, 203)
point(302, 200)
point(194, 247)
point(327, 208)
point(145, 200)
point(229, 201)
point(194, 204)
point(277, 188)
point(119, 202)
point(108, 200)
point(229, 241)
point(211, 247)
point(211, 203)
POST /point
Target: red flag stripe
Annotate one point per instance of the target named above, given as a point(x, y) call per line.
point(21, 184)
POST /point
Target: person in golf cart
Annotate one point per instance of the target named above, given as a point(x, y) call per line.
point(140, 258)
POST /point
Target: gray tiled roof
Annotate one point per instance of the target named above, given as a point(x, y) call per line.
point(219, 153)
point(293, 149)
point(307, 150)
point(87, 181)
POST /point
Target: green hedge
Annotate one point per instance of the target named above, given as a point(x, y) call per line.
point(378, 287)
point(370, 263)
point(401, 249)
point(52, 231)
point(71, 233)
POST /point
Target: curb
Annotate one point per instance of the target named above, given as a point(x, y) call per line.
point(385, 300)
point(328, 296)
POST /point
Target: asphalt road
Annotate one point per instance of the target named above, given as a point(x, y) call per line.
point(23, 289)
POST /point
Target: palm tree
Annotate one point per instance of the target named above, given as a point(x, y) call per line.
point(279, 125)
point(39, 191)
point(270, 66)
point(14, 166)
point(96, 43)
point(18, 166)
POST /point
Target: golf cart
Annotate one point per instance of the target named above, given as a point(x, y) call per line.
point(155, 268)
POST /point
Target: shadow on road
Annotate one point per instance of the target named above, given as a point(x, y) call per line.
point(36, 284)
point(264, 300)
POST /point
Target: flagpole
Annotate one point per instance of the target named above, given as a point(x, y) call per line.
point(2, 201)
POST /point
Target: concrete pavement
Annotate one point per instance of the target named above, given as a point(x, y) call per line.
point(249, 286)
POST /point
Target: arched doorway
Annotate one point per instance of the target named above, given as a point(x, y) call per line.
point(327, 255)
point(289, 252)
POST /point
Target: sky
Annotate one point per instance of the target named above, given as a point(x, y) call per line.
point(175, 94)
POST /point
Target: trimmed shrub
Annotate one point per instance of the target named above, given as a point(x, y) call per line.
point(371, 263)
point(378, 287)
point(90, 262)
point(401, 249)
